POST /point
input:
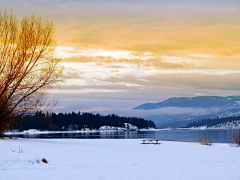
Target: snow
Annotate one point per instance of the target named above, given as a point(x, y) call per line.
point(111, 128)
point(115, 159)
point(149, 129)
point(128, 127)
point(225, 125)
point(31, 131)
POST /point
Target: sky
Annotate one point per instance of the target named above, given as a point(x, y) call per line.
point(119, 54)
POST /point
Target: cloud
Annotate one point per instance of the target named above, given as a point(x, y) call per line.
point(88, 38)
point(157, 26)
point(113, 63)
point(124, 53)
point(115, 86)
point(121, 93)
point(193, 80)
point(152, 88)
point(73, 75)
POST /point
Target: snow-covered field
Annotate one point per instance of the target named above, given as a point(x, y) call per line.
point(115, 159)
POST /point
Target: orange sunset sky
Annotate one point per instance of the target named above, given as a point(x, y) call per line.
point(119, 54)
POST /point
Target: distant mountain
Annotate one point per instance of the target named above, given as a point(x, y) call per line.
point(195, 102)
point(181, 120)
point(213, 107)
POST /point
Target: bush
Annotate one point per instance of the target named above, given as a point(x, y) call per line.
point(236, 138)
point(205, 141)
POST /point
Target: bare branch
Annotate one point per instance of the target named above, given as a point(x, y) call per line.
point(28, 65)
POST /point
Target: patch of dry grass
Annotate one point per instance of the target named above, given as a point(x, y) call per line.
point(236, 138)
point(205, 141)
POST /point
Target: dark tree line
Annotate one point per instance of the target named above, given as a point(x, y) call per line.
point(75, 121)
point(213, 122)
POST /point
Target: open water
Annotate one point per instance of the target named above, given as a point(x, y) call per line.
point(216, 136)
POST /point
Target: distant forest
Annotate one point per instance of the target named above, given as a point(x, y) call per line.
point(75, 121)
point(213, 122)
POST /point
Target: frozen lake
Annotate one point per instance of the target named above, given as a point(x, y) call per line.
point(216, 136)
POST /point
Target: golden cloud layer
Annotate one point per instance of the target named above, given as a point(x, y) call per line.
point(144, 49)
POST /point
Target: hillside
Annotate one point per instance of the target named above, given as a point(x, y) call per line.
point(203, 107)
point(228, 122)
point(197, 102)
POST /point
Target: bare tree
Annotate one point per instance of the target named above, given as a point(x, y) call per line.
point(28, 65)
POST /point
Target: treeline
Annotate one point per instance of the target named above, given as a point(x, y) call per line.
point(213, 122)
point(75, 121)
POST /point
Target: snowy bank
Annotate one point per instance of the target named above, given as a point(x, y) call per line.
point(128, 127)
point(115, 159)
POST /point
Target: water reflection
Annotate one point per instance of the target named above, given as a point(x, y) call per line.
point(216, 136)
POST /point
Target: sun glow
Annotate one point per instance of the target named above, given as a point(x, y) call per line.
point(69, 52)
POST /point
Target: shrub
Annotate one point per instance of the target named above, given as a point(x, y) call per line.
point(236, 138)
point(205, 141)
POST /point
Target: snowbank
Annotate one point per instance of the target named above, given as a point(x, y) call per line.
point(128, 127)
point(31, 131)
point(115, 159)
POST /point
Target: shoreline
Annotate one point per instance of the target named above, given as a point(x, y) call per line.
point(34, 131)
